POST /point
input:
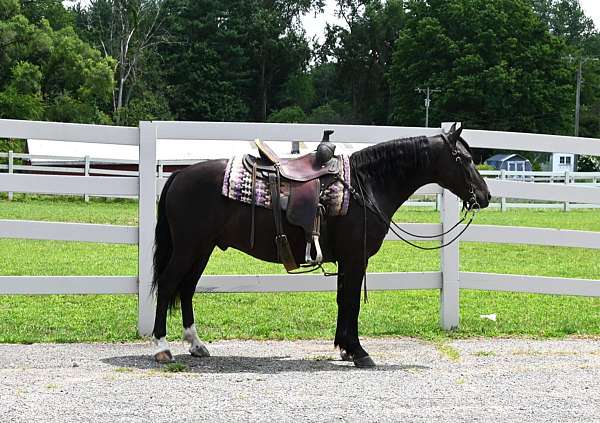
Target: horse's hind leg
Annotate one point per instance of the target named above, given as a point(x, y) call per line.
point(169, 283)
point(197, 348)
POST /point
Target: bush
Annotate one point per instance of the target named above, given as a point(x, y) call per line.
point(324, 114)
point(291, 114)
point(148, 107)
point(588, 164)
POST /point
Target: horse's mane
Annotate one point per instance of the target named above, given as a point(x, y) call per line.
point(396, 157)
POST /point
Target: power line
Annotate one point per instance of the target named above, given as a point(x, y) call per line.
point(428, 91)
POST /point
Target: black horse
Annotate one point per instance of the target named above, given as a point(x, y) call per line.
point(194, 218)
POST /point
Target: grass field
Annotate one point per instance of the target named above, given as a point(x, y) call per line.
point(294, 316)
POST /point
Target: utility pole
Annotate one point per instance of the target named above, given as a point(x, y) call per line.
point(428, 91)
point(582, 60)
point(578, 97)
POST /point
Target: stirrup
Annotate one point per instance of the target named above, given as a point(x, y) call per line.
point(319, 256)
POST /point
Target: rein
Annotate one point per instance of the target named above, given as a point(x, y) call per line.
point(395, 228)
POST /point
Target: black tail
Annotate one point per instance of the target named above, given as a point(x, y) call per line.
point(163, 245)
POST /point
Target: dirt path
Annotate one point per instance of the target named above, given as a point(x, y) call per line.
point(474, 380)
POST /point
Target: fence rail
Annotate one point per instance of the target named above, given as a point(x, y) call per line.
point(87, 169)
point(146, 183)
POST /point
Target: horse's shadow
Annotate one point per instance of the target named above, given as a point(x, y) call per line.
point(241, 364)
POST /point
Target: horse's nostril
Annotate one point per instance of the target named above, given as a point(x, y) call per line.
point(489, 196)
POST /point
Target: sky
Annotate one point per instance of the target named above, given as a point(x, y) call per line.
point(592, 9)
point(315, 26)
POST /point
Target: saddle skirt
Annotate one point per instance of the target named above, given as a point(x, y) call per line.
point(237, 185)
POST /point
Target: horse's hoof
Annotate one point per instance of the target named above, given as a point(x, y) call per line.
point(199, 351)
point(164, 357)
point(364, 362)
point(344, 355)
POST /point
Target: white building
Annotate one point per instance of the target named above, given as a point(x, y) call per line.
point(563, 162)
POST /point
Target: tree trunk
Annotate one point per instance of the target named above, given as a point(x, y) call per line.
point(263, 85)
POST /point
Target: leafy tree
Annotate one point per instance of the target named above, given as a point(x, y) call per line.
point(9, 8)
point(51, 10)
point(362, 51)
point(48, 74)
point(299, 89)
point(234, 59)
point(565, 19)
point(499, 68)
point(22, 97)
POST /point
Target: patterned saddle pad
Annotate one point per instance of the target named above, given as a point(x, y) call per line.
point(237, 185)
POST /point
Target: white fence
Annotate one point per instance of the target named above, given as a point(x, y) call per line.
point(448, 280)
point(86, 166)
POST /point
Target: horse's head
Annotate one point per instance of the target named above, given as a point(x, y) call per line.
point(456, 171)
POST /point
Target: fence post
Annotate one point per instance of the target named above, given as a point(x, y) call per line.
point(450, 258)
point(450, 255)
point(567, 182)
point(503, 199)
point(86, 172)
point(11, 169)
point(147, 222)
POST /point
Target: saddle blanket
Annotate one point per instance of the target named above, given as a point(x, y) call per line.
point(237, 185)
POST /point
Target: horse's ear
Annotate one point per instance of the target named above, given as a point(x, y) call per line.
point(453, 128)
point(458, 132)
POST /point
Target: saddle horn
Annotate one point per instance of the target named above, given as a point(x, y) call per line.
point(325, 149)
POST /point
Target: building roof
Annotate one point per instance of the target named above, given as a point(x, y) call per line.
point(504, 157)
point(167, 149)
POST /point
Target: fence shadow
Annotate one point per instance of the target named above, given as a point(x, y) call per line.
point(243, 364)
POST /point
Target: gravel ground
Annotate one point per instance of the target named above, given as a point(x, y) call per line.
point(495, 380)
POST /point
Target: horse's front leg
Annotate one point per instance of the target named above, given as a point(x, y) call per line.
point(348, 300)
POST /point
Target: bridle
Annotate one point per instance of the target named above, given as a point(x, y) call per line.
point(471, 203)
point(470, 207)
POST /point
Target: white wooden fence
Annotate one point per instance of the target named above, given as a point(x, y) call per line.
point(86, 166)
point(448, 280)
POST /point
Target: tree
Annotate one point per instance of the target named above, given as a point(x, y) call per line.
point(235, 59)
point(9, 8)
point(51, 10)
point(565, 19)
point(499, 69)
point(48, 74)
point(128, 31)
point(361, 52)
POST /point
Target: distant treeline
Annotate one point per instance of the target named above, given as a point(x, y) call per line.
point(502, 64)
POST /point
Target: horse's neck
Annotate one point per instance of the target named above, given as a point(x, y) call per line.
point(397, 192)
point(392, 191)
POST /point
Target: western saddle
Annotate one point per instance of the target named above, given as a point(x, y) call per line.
point(305, 176)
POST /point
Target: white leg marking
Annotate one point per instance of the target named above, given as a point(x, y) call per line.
point(197, 348)
point(162, 353)
point(161, 345)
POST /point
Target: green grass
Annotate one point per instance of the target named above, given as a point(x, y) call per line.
point(72, 318)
